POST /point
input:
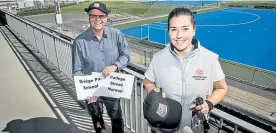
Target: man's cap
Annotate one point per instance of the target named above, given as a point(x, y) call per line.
point(97, 5)
point(161, 113)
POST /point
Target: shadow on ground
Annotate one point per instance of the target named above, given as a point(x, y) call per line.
point(40, 125)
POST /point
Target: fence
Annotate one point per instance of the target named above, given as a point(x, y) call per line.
point(155, 32)
point(122, 11)
point(141, 53)
point(255, 76)
point(164, 7)
point(56, 48)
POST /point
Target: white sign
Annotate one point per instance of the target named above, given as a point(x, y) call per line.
point(115, 85)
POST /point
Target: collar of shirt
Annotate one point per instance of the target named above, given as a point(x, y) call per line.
point(196, 48)
point(91, 35)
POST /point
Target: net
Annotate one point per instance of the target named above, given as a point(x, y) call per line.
point(163, 8)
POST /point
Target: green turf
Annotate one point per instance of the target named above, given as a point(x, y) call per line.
point(146, 10)
point(140, 22)
point(133, 8)
point(153, 20)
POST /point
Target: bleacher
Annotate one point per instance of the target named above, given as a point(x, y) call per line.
point(117, 18)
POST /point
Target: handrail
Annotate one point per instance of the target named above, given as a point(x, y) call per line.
point(45, 29)
point(236, 121)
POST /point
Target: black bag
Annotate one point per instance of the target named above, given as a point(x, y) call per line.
point(96, 110)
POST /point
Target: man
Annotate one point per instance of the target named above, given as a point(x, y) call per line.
point(186, 70)
point(101, 49)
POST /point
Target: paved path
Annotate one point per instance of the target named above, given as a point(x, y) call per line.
point(19, 97)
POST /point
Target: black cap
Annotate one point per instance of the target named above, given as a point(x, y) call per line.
point(97, 5)
point(163, 114)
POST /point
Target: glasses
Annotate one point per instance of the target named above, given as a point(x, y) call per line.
point(96, 16)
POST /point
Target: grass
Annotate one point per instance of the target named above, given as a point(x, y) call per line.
point(138, 9)
point(133, 8)
point(140, 22)
point(147, 10)
point(154, 20)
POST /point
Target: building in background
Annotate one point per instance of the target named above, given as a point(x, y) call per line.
point(51, 2)
point(25, 3)
point(5, 4)
point(20, 4)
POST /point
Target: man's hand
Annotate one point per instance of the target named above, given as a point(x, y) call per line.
point(92, 99)
point(158, 90)
point(108, 69)
point(204, 108)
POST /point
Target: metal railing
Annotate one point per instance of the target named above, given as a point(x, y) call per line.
point(255, 76)
point(57, 50)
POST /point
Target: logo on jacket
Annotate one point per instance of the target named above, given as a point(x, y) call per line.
point(199, 72)
point(162, 110)
point(199, 75)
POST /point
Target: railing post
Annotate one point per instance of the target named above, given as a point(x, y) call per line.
point(151, 54)
point(235, 128)
point(35, 39)
point(135, 104)
point(220, 122)
point(43, 41)
point(56, 53)
point(145, 55)
point(126, 114)
point(253, 77)
point(141, 107)
point(131, 115)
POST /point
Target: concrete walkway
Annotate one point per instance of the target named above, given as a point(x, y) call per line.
point(19, 97)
